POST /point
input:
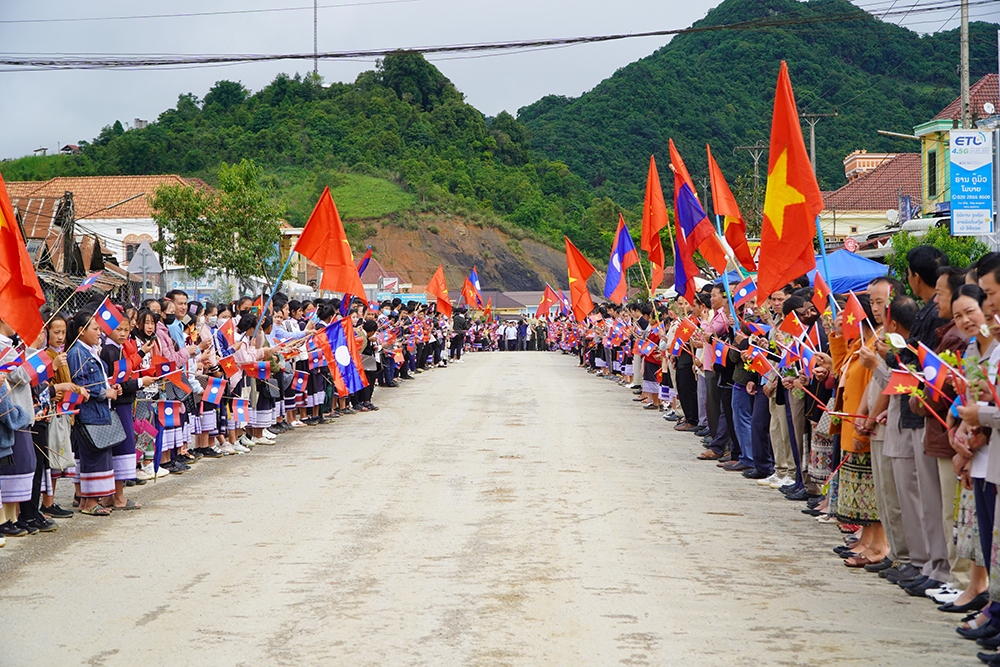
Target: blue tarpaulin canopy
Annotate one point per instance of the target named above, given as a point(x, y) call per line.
point(848, 272)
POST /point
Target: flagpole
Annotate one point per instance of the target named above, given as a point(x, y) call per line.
point(277, 284)
point(725, 279)
point(826, 267)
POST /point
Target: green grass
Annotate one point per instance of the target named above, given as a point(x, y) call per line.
point(370, 197)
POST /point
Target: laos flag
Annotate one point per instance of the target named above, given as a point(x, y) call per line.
point(935, 370)
point(108, 316)
point(623, 255)
point(341, 337)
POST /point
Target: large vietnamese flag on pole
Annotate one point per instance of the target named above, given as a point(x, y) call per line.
point(654, 218)
point(579, 269)
point(549, 299)
point(324, 241)
point(792, 200)
point(21, 296)
point(726, 208)
point(438, 288)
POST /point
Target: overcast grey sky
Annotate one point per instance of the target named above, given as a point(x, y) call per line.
point(52, 108)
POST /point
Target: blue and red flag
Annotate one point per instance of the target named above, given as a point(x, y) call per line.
point(721, 350)
point(108, 316)
point(343, 346)
point(363, 262)
point(241, 409)
point(316, 359)
point(299, 382)
point(564, 304)
point(745, 291)
point(699, 233)
point(758, 329)
point(169, 413)
point(13, 362)
point(935, 370)
point(646, 348)
point(120, 371)
point(678, 346)
point(472, 291)
point(808, 360)
point(69, 404)
point(38, 367)
point(213, 391)
point(258, 369)
point(88, 282)
point(623, 255)
point(345, 305)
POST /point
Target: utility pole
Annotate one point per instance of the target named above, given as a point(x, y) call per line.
point(756, 152)
point(966, 111)
point(812, 119)
point(315, 38)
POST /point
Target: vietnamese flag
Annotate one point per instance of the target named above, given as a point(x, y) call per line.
point(21, 295)
point(229, 366)
point(438, 288)
point(725, 206)
point(324, 241)
point(579, 269)
point(792, 200)
point(821, 294)
point(901, 382)
point(790, 324)
point(654, 218)
point(686, 329)
point(488, 311)
point(853, 316)
point(549, 299)
point(228, 330)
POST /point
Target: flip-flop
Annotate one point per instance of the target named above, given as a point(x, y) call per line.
point(96, 510)
point(130, 505)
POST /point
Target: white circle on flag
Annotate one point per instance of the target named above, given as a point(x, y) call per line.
point(65, 407)
point(930, 373)
point(39, 368)
point(743, 291)
point(342, 355)
point(616, 261)
point(168, 411)
point(106, 315)
point(215, 390)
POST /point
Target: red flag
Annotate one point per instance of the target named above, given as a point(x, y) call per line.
point(549, 299)
point(438, 288)
point(759, 362)
point(790, 324)
point(792, 200)
point(853, 316)
point(821, 294)
point(488, 312)
point(686, 329)
point(901, 382)
point(324, 241)
point(229, 366)
point(177, 379)
point(21, 295)
point(579, 269)
point(654, 218)
point(726, 208)
point(228, 330)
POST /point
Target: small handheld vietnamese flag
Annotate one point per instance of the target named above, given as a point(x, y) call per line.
point(176, 378)
point(120, 371)
point(299, 383)
point(790, 324)
point(759, 362)
point(240, 407)
point(821, 294)
point(213, 391)
point(169, 413)
point(686, 329)
point(854, 316)
point(38, 367)
point(108, 316)
point(228, 330)
point(259, 369)
point(745, 291)
point(720, 352)
point(71, 401)
point(88, 282)
point(901, 382)
point(229, 366)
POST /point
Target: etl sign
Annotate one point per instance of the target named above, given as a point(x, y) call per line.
point(971, 153)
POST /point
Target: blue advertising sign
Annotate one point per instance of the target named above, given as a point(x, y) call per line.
point(971, 154)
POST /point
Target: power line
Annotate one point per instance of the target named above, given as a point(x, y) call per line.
point(80, 19)
point(73, 62)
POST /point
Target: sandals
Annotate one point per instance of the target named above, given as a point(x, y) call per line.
point(709, 456)
point(96, 510)
point(76, 501)
point(130, 505)
point(860, 561)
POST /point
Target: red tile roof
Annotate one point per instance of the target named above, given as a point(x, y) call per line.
point(375, 270)
point(985, 90)
point(879, 189)
point(100, 197)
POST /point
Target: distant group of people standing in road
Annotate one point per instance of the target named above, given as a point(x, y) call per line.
point(878, 414)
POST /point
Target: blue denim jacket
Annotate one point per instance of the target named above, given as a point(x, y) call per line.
point(12, 418)
point(89, 373)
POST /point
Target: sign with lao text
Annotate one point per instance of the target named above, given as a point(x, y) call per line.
point(971, 153)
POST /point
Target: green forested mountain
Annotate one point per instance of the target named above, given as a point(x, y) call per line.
point(718, 87)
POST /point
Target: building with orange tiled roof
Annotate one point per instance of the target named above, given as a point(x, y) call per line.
point(877, 183)
point(984, 101)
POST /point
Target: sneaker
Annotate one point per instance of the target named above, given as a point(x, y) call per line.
point(212, 453)
point(261, 441)
point(226, 449)
point(145, 472)
point(42, 524)
point(162, 472)
point(10, 529)
point(240, 449)
point(27, 526)
point(56, 512)
point(768, 481)
point(782, 481)
point(245, 441)
point(272, 431)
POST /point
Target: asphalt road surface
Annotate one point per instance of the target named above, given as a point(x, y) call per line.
point(509, 510)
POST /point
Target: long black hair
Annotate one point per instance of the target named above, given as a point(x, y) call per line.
point(76, 324)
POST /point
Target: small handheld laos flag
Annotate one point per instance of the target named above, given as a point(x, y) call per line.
point(88, 282)
point(120, 371)
point(39, 368)
point(721, 355)
point(213, 391)
point(241, 407)
point(162, 365)
point(169, 413)
point(108, 316)
point(299, 383)
point(71, 401)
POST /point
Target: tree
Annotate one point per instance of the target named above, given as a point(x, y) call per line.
point(234, 229)
point(961, 250)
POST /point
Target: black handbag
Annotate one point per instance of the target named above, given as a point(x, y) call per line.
point(105, 436)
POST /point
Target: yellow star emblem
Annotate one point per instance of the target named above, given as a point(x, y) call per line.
point(780, 195)
point(850, 318)
point(901, 388)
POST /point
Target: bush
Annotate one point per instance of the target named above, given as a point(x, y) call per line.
point(961, 250)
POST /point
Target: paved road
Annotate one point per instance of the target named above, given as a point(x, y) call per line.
point(511, 510)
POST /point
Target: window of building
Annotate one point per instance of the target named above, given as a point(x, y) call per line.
point(118, 231)
point(854, 230)
point(130, 249)
point(932, 174)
